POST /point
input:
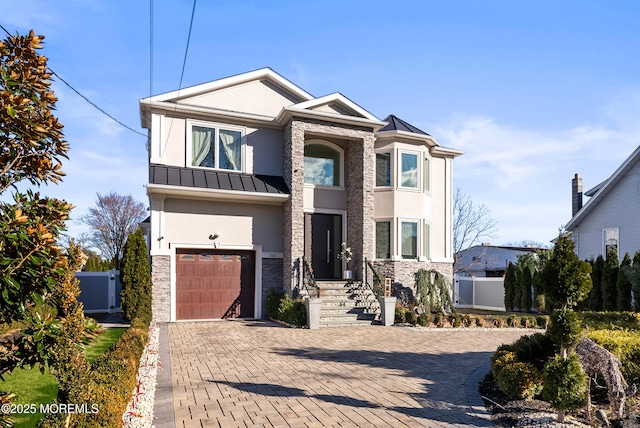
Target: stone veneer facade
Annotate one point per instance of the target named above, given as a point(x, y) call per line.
point(161, 290)
point(359, 174)
point(271, 280)
point(402, 271)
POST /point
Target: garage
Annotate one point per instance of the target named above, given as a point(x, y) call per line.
point(214, 284)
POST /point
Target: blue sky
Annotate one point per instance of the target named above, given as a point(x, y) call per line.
point(532, 91)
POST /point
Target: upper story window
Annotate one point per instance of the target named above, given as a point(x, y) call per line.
point(409, 170)
point(322, 164)
point(215, 146)
point(610, 240)
point(383, 169)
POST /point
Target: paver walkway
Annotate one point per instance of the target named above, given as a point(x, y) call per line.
point(258, 373)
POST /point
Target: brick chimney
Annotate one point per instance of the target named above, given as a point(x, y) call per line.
point(576, 195)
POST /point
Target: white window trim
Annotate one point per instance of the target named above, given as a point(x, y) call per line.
point(418, 223)
point(217, 127)
point(391, 238)
point(391, 168)
point(426, 255)
point(341, 172)
point(418, 187)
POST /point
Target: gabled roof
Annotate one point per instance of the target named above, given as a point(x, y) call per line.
point(336, 100)
point(397, 124)
point(263, 73)
point(603, 189)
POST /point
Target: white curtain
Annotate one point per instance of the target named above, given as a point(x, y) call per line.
point(230, 144)
point(201, 145)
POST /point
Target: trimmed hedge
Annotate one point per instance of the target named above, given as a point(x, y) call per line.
point(611, 320)
point(281, 307)
point(108, 383)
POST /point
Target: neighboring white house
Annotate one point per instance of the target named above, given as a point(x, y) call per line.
point(488, 261)
point(249, 173)
point(611, 217)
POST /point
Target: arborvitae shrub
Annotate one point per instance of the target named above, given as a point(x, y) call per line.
point(565, 383)
point(542, 321)
point(565, 328)
point(512, 321)
point(519, 380)
point(528, 322)
point(454, 319)
point(399, 315)
point(536, 349)
point(466, 321)
point(438, 320)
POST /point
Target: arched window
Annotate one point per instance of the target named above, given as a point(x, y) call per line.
point(322, 164)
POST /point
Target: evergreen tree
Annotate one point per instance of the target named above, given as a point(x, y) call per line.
point(541, 260)
point(609, 279)
point(526, 268)
point(623, 286)
point(96, 264)
point(509, 286)
point(595, 296)
point(567, 279)
point(135, 298)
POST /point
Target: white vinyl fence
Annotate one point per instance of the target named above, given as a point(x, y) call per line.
point(100, 291)
point(479, 293)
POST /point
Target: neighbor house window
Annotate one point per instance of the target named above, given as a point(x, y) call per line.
point(383, 239)
point(216, 147)
point(322, 165)
point(409, 170)
point(610, 240)
point(383, 169)
point(409, 239)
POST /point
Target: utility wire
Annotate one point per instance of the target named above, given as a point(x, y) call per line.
point(184, 61)
point(85, 98)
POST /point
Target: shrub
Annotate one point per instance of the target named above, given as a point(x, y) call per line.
point(625, 345)
point(611, 320)
point(528, 321)
point(410, 317)
point(135, 296)
point(272, 303)
point(292, 311)
point(479, 321)
point(565, 329)
point(423, 319)
point(498, 322)
point(535, 349)
point(466, 321)
point(454, 319)
point(512, 321)
point(500, 359)
point(399, 315)
point(542, 321)
point(565, 383)
point(519, 380)
point(438, 320)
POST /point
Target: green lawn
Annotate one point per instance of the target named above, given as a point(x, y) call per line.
point(33, 387)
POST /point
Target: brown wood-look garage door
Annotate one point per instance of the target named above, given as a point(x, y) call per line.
point(214, 284)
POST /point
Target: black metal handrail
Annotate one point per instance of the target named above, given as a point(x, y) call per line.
point(376, 284)
point(308, 279)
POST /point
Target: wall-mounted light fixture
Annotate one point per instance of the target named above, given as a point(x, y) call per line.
point(214, 236)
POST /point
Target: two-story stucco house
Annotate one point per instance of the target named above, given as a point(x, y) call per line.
point(610, 217)
point(249, 173)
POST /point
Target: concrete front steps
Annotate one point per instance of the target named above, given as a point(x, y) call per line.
point(347, 303)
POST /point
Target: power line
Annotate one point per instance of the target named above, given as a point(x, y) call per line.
point(85, 98)
point(184, 61)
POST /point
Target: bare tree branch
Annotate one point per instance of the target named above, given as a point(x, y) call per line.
point(471, 223)
point(113, 218)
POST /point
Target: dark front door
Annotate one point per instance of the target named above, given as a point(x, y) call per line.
point(325, 231)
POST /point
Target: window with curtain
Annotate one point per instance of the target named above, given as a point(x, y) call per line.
point(216, 147)
point(383, 169)
point(409, 239)
point(383, 239)
point(409, 170)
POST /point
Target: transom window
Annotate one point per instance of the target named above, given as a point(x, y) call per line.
point(216, 147)
point(322, 164)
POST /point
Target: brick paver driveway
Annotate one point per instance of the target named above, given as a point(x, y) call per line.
point(258, 373)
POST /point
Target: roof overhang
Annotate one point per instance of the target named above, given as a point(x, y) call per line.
point(404, 135)
point(446, 152)
point(287, 113)
point(183, 192)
